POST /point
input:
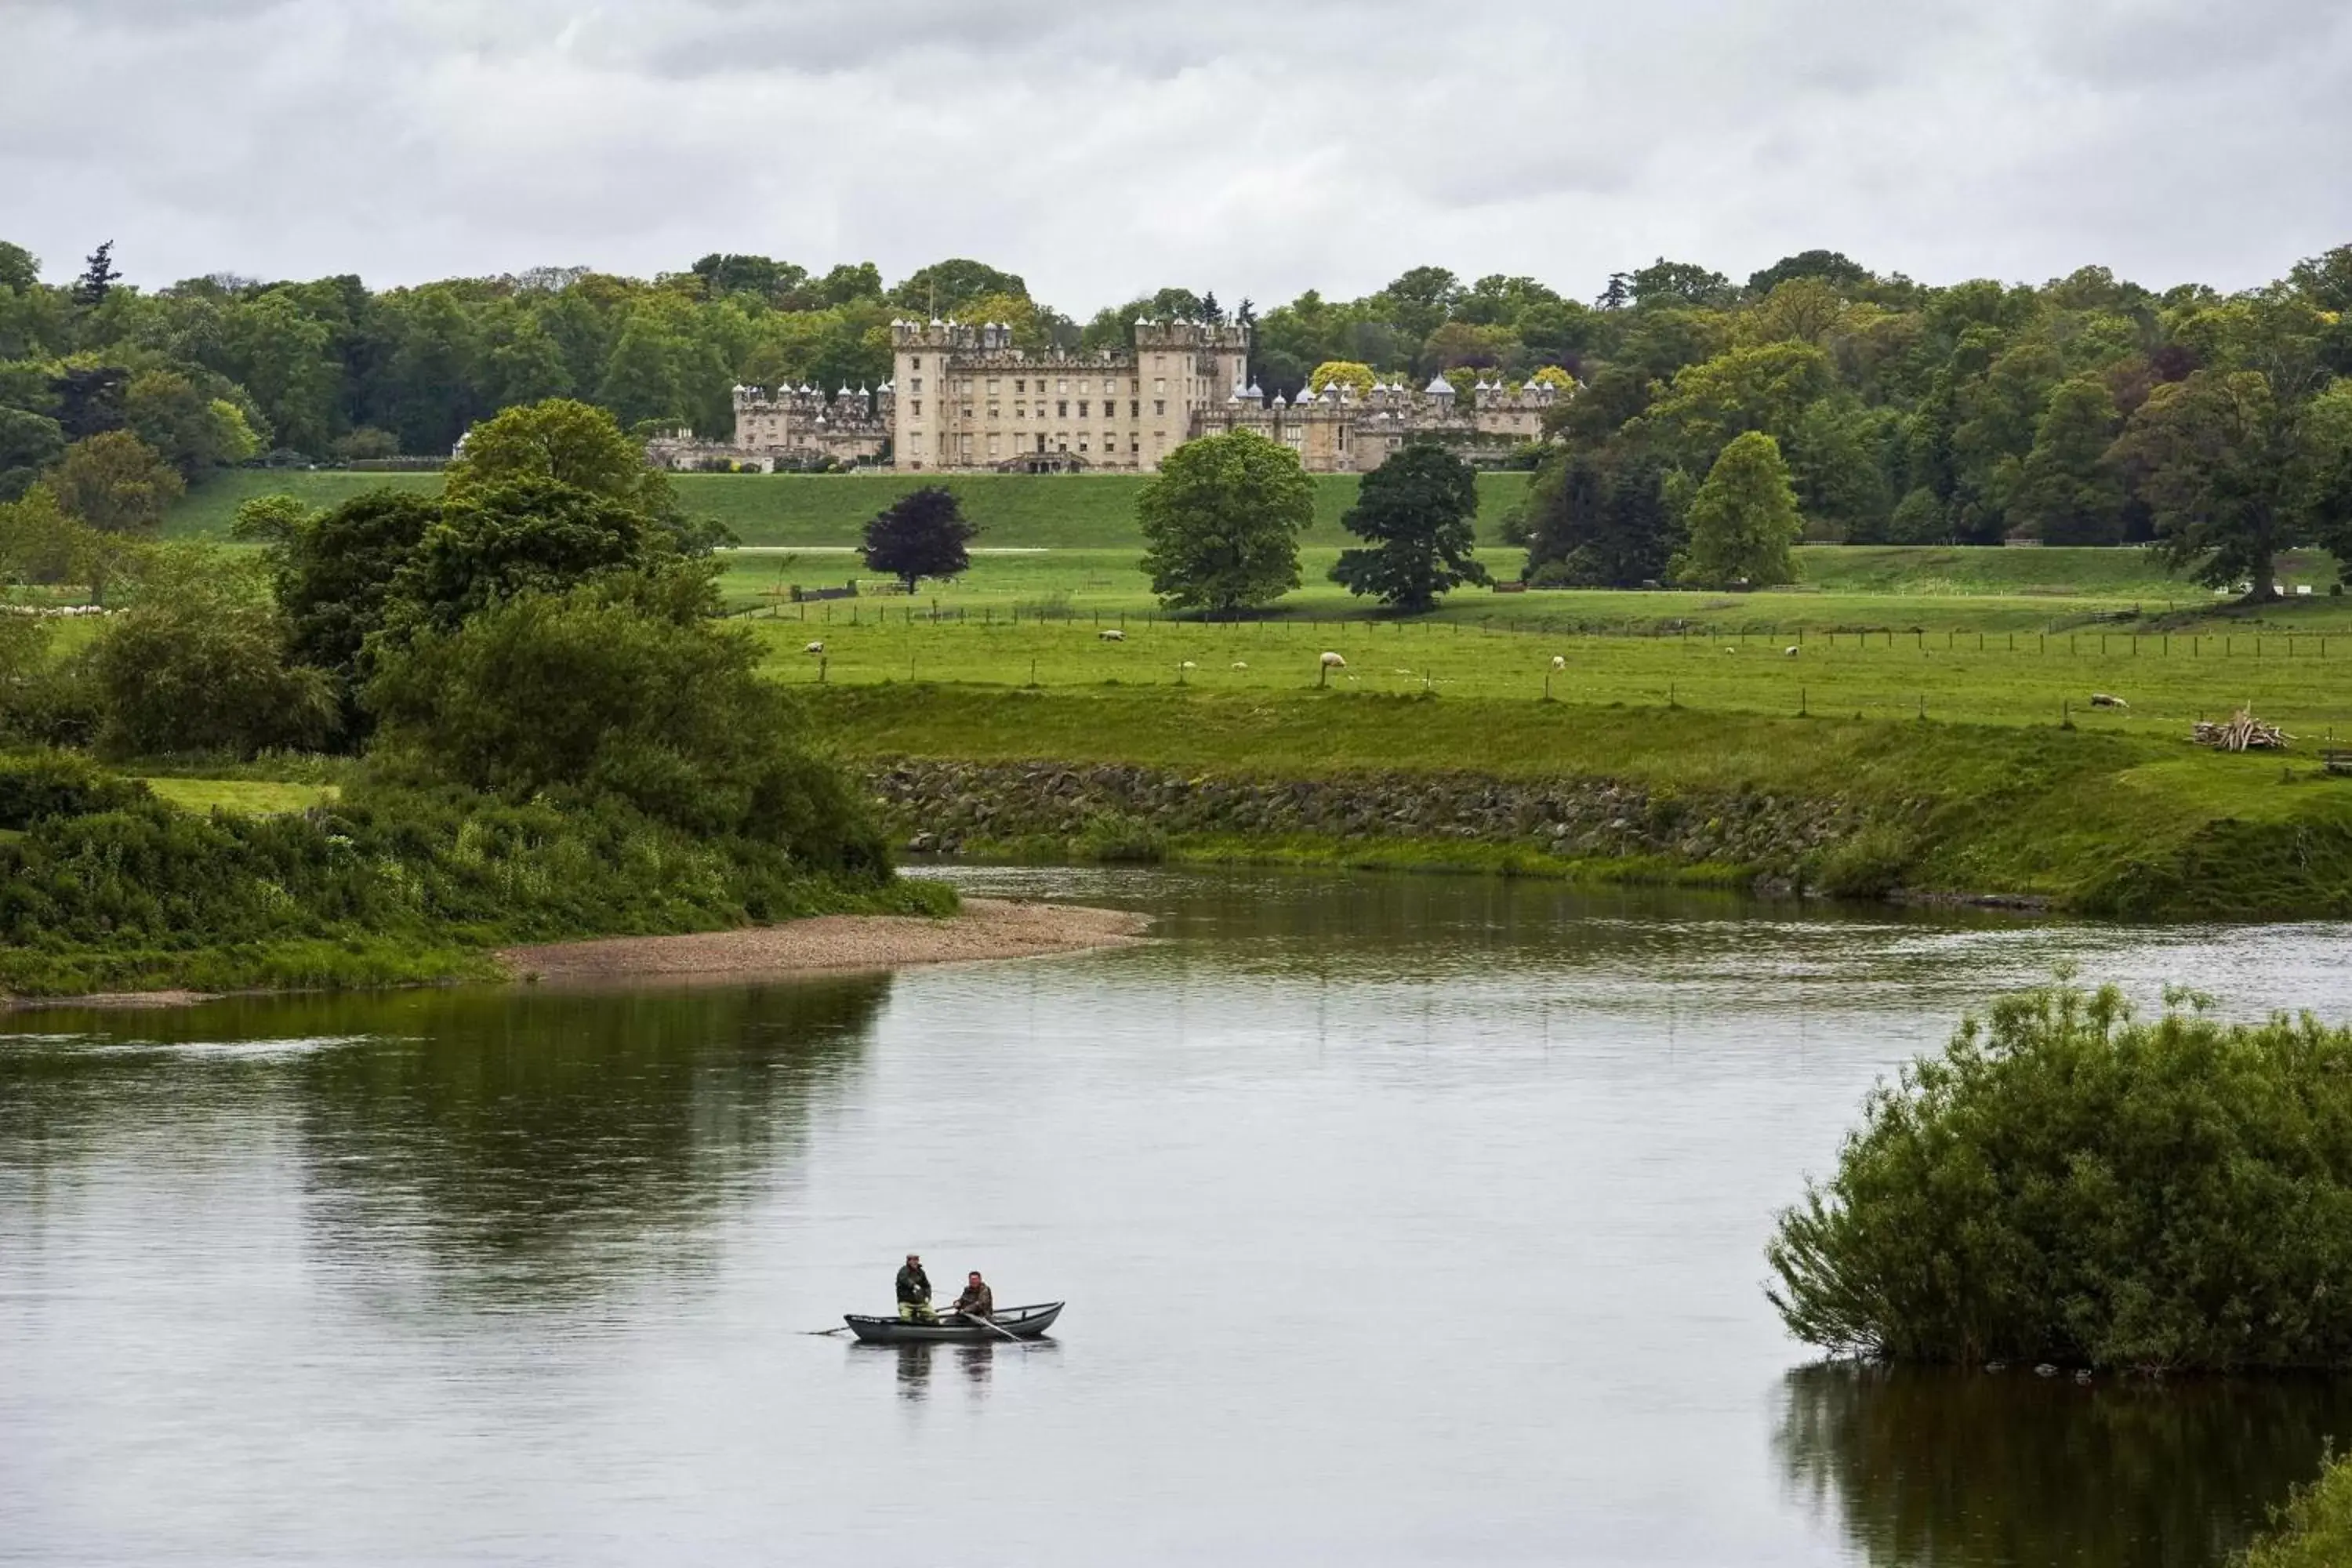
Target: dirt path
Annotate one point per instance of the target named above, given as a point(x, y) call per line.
point(985, 928)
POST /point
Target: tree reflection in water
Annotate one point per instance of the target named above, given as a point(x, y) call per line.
point(508, 1146)
point(1942, 1469)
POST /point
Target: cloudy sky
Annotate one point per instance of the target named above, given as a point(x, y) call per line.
point(1256, 147)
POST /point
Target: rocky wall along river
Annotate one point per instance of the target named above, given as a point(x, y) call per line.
point(943, 807)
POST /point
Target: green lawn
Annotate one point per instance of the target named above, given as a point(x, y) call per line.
point(248, 797)
point(1055, 511)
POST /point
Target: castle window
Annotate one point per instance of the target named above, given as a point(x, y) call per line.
point(1159, 385)
point(1019, 387)
point(1134, 446)
point(1082, 408)
point(918, 363)
point(1134, 383)
point(918, 380)
point(1061, 410)
point(1081, 443)
point(919, 405)
point(991, 385)
point(1158, 406)
point(992, 446)
point(995, 412)
point(1020, 411)
point(1134, 409)
point(1062, 386)
point(967, 410)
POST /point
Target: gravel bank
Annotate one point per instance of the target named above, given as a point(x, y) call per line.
point(985, 928)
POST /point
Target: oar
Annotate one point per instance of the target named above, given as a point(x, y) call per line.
point(991, 1323)
point(842, 1330)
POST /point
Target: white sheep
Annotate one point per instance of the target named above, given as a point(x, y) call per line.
point(1333, 661)
point(817, 646)
point(1188, 663)
point(1789, 652)
point(1112, 635)
point(1557, 662)
point(1241, 664)
point(1731, 650)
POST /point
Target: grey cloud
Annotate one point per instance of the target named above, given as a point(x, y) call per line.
point(1099, 149)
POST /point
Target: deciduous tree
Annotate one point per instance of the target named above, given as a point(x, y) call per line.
point(1419, 510)
point(1221, 522)
point(1743, 522)
point(116, 483)
point(921, 534)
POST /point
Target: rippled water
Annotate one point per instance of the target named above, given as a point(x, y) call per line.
point(1402, 1220)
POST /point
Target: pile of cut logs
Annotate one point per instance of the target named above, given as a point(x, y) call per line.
point(2243, 733)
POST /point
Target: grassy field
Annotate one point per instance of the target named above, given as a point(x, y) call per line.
point(2115, 823)
point(2022, 678)
point(250, 798)
point(1035, 511)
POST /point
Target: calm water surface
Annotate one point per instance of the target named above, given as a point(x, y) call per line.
point(1402, 1220)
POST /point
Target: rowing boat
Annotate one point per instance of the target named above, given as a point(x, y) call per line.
point(1018, 1323)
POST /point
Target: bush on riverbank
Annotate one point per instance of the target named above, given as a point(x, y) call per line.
point(390, 883)
point(2064, 1184)
point(2315, 1531)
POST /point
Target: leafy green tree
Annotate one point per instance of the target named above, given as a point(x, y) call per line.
point(18, 269)
point(283, 355)
point(2066, 1184)
point(116, 483)
point(1357, 377)
point(2068, 493)
point(1220, 523)
point(1600, 522)
point(1420, 511)
point(570, 443)
point(333, 574)
point(1664, 282)
point(1830, 266)
point(921, 534)
point(946, 288)
point(29, 442)
point(607, 690)
point(1743, 522)
point(493, 542)
point(197, 663)
point(2235, 473)
point(1768, 387)
point(640, 383)
point(188, 429)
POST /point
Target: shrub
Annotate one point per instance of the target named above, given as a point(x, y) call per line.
point(54, 783)
point(198, 664)
point(1115, 837)
point(2314, 1530)
point(1870, 865)
point(2066, 1184)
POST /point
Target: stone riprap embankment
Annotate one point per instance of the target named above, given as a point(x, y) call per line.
point(944, 807)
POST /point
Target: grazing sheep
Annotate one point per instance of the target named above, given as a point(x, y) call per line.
point(1557, 662)
point(817, 646)
point(1241, 664)
point(1113, 635)
point(2101, 700)
point(1333, 661)
point(1789, 652)
point(1188, 663)
point(1731, 650)
point(1401, 670)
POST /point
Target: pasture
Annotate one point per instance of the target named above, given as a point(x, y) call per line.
point(2025, 676)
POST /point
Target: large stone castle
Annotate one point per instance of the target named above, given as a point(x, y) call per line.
point(962, 399)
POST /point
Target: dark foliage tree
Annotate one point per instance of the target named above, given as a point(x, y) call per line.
point(89, 399)
point(18, 269)
point(97, 278)
point(944, 288)
point(333, 574)
point(29, 443)
point(1420, 511)
point(1831, 267)
point(496, 540)
point(1600, 522)
point(921, 534)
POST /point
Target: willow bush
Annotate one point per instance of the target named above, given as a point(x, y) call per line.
point(2314, 1530)
point(2067, 1184)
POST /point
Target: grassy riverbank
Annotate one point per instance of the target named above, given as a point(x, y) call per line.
point(2119, 823)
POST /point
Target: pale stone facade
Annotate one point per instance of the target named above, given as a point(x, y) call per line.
point(969, 401)
point(789, 426)
point(961, 398)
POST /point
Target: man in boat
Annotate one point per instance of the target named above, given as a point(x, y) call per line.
point(915, 1292)
point(978, 1300)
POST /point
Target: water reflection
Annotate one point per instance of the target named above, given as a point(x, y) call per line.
point(518, 1145)
point(1967, 1469)
point(914, 1364)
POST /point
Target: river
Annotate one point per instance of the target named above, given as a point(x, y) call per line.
point(1402, 1220)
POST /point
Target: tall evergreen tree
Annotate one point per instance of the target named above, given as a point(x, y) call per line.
point(97, 278)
